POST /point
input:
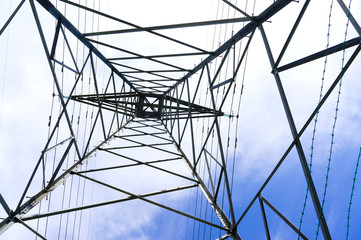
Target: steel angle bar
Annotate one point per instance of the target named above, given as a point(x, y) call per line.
point(184, 114)
point(171, 26)
point(133, 25)
point(65, 66)
point(147, 90)
point(309, 120)
point(206, 151)
point(178, 122)
point(349, 16)
point(243, 32)
point(126, 110)
point(145, 126)
point(140, 70)
point(184, 111)
point(126, 104)
point(299, 148)
point(120, 94)
point(205, 142)
point(150, 201)
point(155, 71)
point(69, 48)
point(210, 178)
point(11, 17)
point(100, 112)
point(111, 79)
point(143, 123)
point(55, 39)
point(135, 79)
point(265, 223)
point(245, 50)
point(219, 112)
point(129, 165)
point(219, 184)
point(195, 107)
point(238, 9)
point(30, 228)
point(160, 56)
point(109, 150)
point(167, 110)
point(156, 82)
point(290, 36)
point(235, 72)
point(108, 104)
point(221, 84)
point(170, 103)
point(141, 133)
point(143, 145)
point(294, 228)
point(190, 106)
point(5, 205)
point(339, 47)
point(58, 144)
point(80, 208)
point(150, 89)
point(149, 165)
point(225, 236)
point(186, 117)
point(116, 115)
point(191, 122)
point(219, 68)
point(91, 133)
point(60, 164)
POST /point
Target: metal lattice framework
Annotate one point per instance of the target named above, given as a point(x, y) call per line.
point(146, 110)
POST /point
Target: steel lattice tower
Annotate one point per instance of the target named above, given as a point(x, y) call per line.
point(148, 124)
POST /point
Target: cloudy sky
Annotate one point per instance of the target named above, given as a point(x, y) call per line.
point(261, 130)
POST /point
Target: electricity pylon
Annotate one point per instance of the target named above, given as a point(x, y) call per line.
point(156, 112)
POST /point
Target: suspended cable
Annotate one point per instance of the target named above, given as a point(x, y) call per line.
point(352, 194)
point(239, 104)
point(207, 103)
point(78, 120)
point(84, 135)
point(86, 165)
point(3, 85)
point(227, 167)
point(316, 116)
point(334, 126)
point(45, 157)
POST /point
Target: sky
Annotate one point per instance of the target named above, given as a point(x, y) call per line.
point(261, 130)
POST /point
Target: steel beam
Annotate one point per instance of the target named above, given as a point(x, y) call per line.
point(11, 17)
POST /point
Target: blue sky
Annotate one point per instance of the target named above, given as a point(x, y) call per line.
point(262, 132)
